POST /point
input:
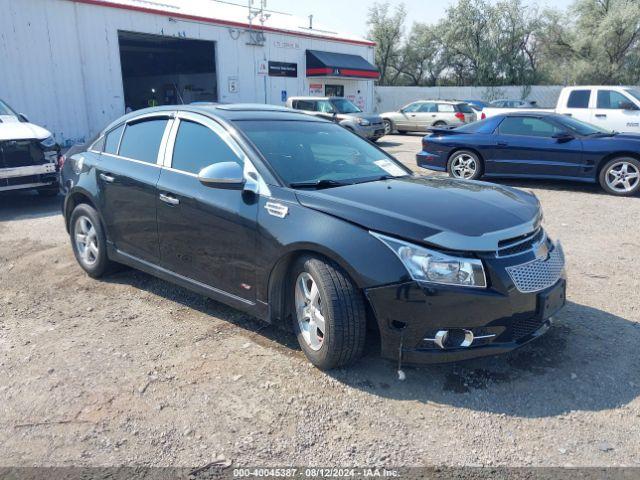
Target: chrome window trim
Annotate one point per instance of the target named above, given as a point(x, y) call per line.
point(251, 174)
point(119, 157)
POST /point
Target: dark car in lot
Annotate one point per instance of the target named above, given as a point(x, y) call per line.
point(303, 224)
point(536, 145)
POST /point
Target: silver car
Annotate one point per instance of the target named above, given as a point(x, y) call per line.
point(422, 115)
point(343, 112)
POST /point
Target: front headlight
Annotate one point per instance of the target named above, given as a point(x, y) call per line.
point(48, 142)
point(364, 122)
point(425, 265)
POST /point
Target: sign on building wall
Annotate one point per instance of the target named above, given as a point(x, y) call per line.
point(282, 69)
point(233, 85)
point(315, 89)
point(261, 68)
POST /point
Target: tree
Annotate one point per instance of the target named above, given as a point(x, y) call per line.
point(602, 46)
point(421, 60)
point(387, 30)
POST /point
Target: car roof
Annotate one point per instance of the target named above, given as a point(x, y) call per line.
point(530, 113)
point(315, 98)
point(228, 112)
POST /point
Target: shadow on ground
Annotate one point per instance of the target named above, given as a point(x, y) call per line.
point(587, 361)
point(28, 205)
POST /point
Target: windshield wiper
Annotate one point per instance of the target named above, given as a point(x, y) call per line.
point(323, 183)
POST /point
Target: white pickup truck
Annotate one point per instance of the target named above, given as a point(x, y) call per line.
point(612, 108)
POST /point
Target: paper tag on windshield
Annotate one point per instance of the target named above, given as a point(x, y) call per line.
point(390, 167)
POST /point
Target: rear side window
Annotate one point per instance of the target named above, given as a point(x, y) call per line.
point(579, 99)
point(610, 99)
point(446, 108)
point(113, 140)
point(428, 107)
point(527, 126)
point(198, 146)
point(304, 105)
point(141, 140)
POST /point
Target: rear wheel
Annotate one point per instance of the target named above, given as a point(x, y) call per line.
point(328, 313)
point(621, 176)
point(89, 242)
point(440, 123)
point(465, 164)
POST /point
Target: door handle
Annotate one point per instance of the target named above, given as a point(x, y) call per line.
point(169, 199)
point(601, 115)
point(503, 144)
point(107, 178)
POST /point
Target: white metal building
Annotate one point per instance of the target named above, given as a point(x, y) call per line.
point(72, 66)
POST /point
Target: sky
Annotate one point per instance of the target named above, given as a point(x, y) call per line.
point(350, 16)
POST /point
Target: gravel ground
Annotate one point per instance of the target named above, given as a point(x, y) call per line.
point(133, 370)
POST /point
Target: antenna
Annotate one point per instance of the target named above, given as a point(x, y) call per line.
point(310, 22)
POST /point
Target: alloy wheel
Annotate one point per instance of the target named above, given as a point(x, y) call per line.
point(387, 127)
point(86, 239)
point(309, 306)
point(623, 177)
point(464, 166)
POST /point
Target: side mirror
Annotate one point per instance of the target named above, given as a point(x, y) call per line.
point(628, 106)
point(227, 175)
point(563, 137)
point(23, 118)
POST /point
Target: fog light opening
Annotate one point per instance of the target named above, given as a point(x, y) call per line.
point(455, 338)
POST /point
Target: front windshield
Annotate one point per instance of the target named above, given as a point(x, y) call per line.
point(345, 106)
point(6, 110)
point(312, 152)
point(634, 93)
point(579, 127)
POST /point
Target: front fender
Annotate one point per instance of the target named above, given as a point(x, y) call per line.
point(365, 258)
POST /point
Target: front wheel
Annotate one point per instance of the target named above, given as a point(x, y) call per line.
point(621, 176)
point(388, 127)
point(328, 313)
point(465, 164)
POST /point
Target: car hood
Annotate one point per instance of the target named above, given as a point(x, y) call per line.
point(447, 213)
point(12, 129)
point(373, 118)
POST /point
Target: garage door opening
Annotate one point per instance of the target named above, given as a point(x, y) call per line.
point(159, 70)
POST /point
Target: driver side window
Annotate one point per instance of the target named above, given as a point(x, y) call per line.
point(197, 147)
point(527, 126)
point(324, 106)
point(412, 108)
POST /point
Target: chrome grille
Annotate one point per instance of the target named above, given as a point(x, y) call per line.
point(539, 273)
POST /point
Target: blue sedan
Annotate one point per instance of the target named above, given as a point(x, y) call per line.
point(536, 145)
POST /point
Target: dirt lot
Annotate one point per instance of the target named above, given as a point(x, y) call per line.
point(132, 370)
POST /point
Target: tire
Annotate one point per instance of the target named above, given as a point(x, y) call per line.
point(388, 126)
point(440, 123)
point(402, 132)
point(465, 164)
point(339, 303)
point(49, 191)
point(620, 176)
point(92, 257)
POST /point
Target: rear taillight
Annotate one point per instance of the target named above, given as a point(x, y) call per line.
point(460, 116)
point(483, 116)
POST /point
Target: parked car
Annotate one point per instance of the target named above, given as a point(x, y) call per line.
point(505, 103)
point(612, 108)
point(28, 155)
point(280, 214)
point(536, 145)
point(341, 111)
point(477, 105)
point(419, 116)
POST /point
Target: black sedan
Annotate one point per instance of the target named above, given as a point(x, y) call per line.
point(303, 224)
point(536, 145)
